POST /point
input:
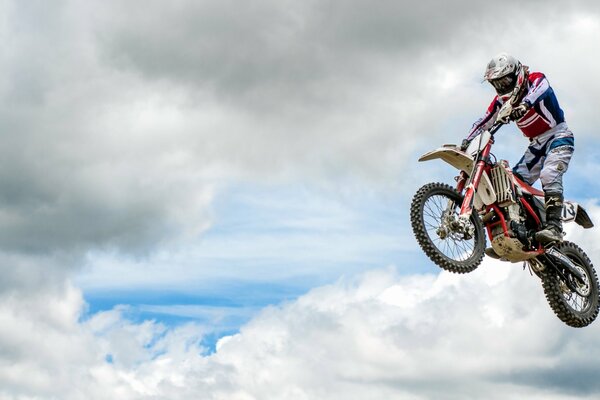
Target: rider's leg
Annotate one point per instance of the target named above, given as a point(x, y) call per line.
point(529, 166)
point(555, 165)
point(552, 231)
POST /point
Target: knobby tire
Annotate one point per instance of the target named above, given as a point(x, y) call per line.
point(561, 297)
point(425, 240)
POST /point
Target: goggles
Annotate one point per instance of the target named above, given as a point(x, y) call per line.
point(505, 84)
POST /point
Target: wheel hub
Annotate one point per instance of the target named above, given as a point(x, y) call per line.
point(459, 228)
point(582, 289)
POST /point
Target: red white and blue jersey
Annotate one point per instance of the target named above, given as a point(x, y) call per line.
point(544, 112)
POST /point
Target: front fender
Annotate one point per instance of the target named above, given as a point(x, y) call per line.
point(452, 156)
point(449, 153)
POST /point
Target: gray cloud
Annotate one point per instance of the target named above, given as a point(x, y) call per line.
point(118, 125)
point(121, 120)
point(580, 382)
point(280, 52)
point(70, 178)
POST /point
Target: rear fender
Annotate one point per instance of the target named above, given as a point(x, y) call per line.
point(574, 212)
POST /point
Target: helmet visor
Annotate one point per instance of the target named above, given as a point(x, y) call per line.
point(503, 85)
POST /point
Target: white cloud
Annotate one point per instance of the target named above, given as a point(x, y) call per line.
point(366, 339)
point(486, 334)
point(45, 353)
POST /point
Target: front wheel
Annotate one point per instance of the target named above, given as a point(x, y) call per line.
point(434, 216)
point(575, 308)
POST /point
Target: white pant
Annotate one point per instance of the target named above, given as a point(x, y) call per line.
point(547, 158)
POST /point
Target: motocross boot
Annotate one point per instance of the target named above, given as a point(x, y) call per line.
point(552, 231)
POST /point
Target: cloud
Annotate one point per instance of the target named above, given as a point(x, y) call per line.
point(113, 121)
point(414, 337)
point(489, 333)
point(121, 128)
point(369, 336)
point(82, 167)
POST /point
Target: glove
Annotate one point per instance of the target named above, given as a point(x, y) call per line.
point(519, 111)
point(465, 143)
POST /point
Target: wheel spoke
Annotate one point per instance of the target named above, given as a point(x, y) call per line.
point(574, 300)
point(453, 245)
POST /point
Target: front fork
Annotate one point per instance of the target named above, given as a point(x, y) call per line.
point(467, 204)
point(463, 224)
point(450, 222)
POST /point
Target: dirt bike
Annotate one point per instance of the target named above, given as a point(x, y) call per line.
point(449, 223)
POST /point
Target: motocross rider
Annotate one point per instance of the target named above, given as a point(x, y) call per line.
point(540, 118)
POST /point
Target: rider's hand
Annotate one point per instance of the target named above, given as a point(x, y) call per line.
point(465, 143)
point(519, 111)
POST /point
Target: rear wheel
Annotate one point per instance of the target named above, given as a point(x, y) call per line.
point(434, 218)
point(576, 308)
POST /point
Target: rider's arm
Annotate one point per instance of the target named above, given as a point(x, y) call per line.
point(538, 88)
point(486, 121)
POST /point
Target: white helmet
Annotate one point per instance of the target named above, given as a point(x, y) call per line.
point(506, 74)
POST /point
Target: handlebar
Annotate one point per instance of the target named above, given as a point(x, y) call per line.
point(503, 117)
point(497, 125)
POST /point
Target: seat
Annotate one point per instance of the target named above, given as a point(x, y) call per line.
point(529, 189)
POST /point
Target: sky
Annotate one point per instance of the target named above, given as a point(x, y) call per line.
point(209, 200)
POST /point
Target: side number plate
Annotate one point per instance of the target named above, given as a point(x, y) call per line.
point(569, 211)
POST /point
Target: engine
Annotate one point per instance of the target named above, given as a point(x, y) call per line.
point(506, 197)
point(502, 182)
point(518, 241)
